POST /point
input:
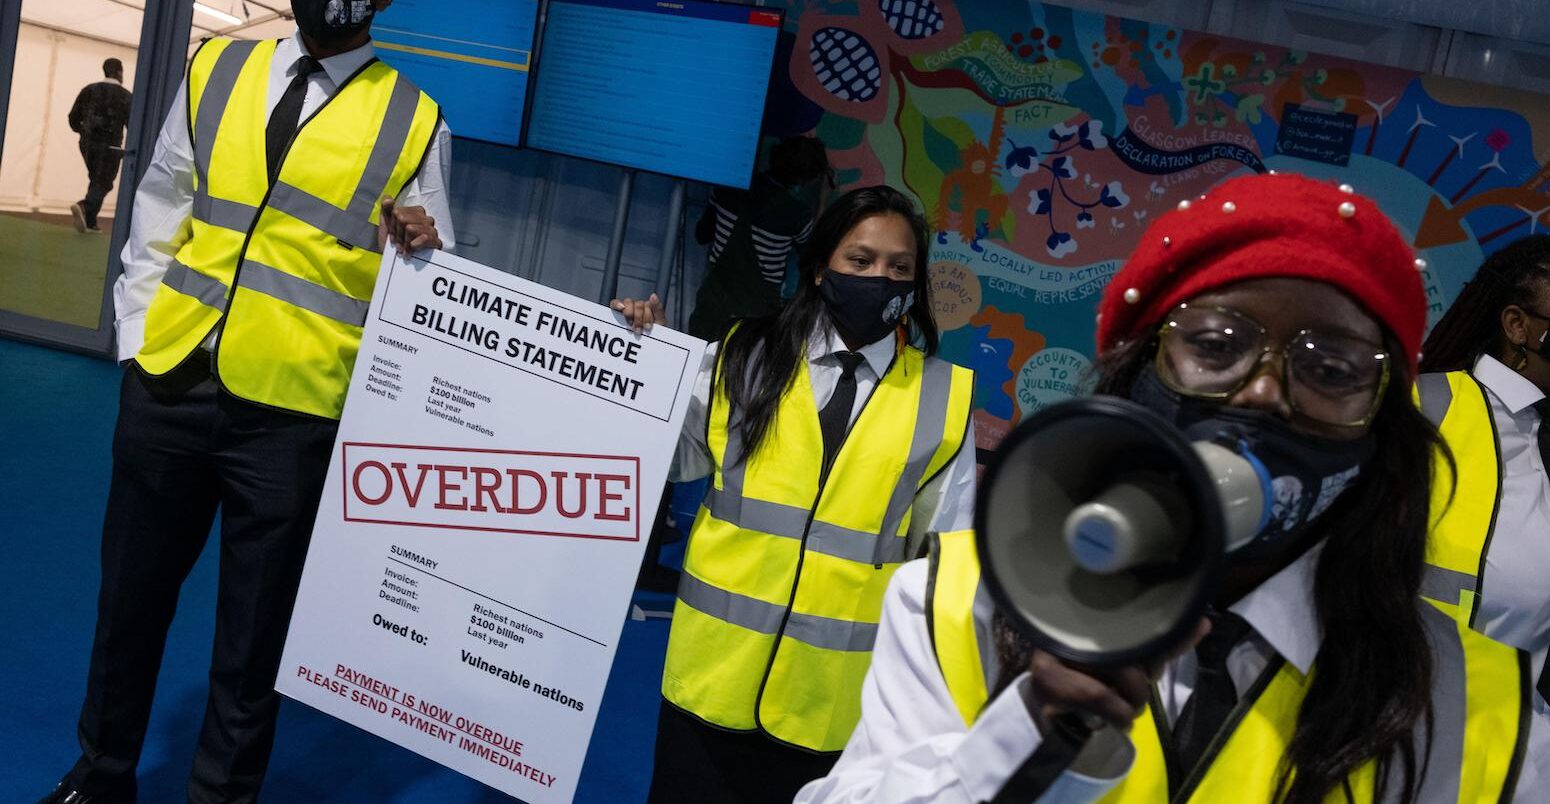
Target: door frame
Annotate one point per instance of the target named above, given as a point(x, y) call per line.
point(159, 68)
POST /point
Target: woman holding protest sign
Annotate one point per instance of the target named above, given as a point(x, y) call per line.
point(833, 439)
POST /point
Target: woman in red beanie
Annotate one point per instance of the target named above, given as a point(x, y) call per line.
point(1289, 310)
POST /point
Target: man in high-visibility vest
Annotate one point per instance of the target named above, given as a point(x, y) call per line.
point(255, 241)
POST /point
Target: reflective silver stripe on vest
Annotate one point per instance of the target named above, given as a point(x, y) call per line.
point(208, 291)
point(789, 520)
point(1436, 396)
point(729, 505)
point(831, 634)
point(1450, 707)
point(761, 515)
point(740, 610)
point(207, 121)
point(930, 423)
point(352, 225)
point(345, 227)
point(225, 214)
point(306, 295)
point(1445, 585)
point(757, 615)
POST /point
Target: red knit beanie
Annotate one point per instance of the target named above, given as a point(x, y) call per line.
point(1269, 225)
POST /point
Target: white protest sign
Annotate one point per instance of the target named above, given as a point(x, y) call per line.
point(497, 470)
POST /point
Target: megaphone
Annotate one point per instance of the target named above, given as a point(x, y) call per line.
point(1102, 531)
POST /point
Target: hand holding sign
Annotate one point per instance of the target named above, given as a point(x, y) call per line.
point(408, 228)
point(641, 314)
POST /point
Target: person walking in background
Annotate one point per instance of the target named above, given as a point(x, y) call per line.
point(751, 234)
point(99, 115)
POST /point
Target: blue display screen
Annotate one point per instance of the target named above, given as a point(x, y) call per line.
point(471, 56)
point(670, 86)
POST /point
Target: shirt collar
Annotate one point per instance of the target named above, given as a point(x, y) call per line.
point(338, 68)
point(1282, 611)
point(1513, 389)
point(825, 341)
point(113, 80)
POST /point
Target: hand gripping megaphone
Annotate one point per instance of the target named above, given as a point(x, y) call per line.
point(1102, 531)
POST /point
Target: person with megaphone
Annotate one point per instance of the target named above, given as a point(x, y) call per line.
point(1487, 375)
point(1254, 460)
point(834, 440)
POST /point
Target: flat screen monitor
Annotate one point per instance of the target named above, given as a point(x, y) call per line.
point(669, 86)
point(472, 56)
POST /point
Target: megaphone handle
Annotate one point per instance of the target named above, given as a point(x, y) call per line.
point(1068, 735)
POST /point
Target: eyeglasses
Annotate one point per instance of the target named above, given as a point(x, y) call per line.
point(1213, 352)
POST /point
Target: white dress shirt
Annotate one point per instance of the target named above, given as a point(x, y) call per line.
point(946, 503)
point(164, 201)
point(912, 747)
point(1515, 602)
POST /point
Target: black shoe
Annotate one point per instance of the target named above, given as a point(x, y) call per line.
point(65, 794)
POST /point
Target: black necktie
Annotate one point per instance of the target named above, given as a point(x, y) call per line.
point(835, 416)
point(287, 113)
point(1214, 696)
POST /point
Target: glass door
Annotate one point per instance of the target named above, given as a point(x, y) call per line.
point(89, 82)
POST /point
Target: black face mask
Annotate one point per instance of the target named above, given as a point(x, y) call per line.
point(1308, 474)
point(865, 308)
point(332, 22)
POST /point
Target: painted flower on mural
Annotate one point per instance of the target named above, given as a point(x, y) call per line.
point(1056, 203)
point(1088, 135)
point(1063, 167)
point(1039, 203)
point(1060, 244)
point(1113, 195)
point(1021, 160)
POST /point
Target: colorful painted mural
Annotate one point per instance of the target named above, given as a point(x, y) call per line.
point(1040, 140)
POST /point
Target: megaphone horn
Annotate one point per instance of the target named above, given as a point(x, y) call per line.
point(1102, 531)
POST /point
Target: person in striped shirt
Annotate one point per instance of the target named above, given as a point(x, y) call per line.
point(752, 232)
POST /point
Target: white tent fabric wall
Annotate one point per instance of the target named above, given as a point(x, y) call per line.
point(60, 48)
point(42, 169)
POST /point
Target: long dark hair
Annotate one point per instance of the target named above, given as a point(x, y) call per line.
point(1373, 677)
point(762, 355)
point(1472, 326)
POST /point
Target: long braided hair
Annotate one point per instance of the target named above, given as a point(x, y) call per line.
point(1472, 326)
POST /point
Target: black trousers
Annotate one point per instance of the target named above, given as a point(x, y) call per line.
point(697, 762)
point(184, 448)
point(102, 160)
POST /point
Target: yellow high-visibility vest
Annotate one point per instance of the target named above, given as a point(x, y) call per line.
point(1480, 707)
point(1465, 504)
point(784, 577)
point(285, 269)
